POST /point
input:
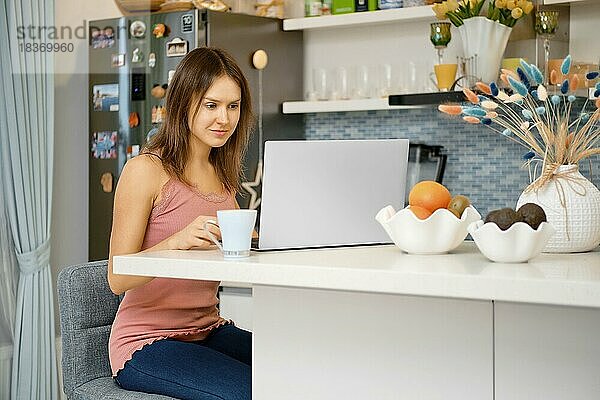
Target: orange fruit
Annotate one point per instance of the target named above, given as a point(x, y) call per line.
point(420, 212)
point(430, 195)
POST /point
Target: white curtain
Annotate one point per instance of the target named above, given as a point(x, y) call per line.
point(9, 275)
point(26, 158)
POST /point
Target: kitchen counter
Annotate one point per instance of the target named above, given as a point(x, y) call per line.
point(559, 279)
point(375, 323)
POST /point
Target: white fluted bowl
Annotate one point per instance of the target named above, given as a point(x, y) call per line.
point(519, 243)
point(440, 233)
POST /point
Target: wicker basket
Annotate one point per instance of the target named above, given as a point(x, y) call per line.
point(137, 6)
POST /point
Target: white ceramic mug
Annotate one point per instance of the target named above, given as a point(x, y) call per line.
point(236, 231)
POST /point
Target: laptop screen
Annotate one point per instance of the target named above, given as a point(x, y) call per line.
point(327, 192)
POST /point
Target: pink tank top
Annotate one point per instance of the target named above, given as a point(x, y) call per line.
point(168, 308)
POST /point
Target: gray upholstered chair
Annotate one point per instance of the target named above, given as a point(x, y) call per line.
point(87, 310)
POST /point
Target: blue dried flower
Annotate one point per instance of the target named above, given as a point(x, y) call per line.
point(537, 74)
point(564, 88)
point(592, 75)
point(597, 93)
point(494, 89)
point(534, 94)
point(507, 132)
point(529, 155)
point(598, 85)
point(523, 77)
point(527, 114)
point(540, 110)
point(571, 98)
point(486, 121)
point(526, 68)
point(483, 98)
point(518, 86)
point(474, 112)
point(566, 65)
point(585, 117)
point(519, 102)
point(555, 100)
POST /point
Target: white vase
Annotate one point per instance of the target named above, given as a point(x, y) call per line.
point(577, 218)
point(485, 39)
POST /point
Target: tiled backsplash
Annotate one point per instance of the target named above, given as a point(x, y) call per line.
point(482, 164)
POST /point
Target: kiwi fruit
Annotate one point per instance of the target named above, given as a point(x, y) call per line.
point(503, 217)
point(458, 204)
point(532, 214)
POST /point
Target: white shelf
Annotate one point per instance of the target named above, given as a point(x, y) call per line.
point(301, 107)
point(409, 14)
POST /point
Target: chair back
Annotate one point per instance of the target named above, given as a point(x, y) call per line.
point(87, 310)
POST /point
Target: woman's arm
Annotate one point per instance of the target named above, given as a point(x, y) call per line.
point(137, 189)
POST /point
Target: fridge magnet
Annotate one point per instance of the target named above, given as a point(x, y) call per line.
point(133, 151)
point(177, 47)
point(187, 23)
point(102, 38)
point(117, 60)
point(106, 181)
point(104, 145)
point(151, 60)
point(137, 56)
point(160, 30)
point(134, 119)
point(137, 29)
point(159, 91)
point(106, 97)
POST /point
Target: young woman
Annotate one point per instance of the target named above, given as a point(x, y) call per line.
point(168, 337)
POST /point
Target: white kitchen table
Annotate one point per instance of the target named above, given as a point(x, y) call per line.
point(375, 323)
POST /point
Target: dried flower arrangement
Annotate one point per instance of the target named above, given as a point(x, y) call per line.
point(506, 12)
point(540, 121)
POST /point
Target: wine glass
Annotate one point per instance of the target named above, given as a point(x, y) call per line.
point(546, 24)
point(440, 37)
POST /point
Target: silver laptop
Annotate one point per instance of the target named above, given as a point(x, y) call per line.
point(321, 193)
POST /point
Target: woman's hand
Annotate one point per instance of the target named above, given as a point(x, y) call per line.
point(194, 235)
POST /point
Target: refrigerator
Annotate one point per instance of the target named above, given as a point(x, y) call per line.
point(130, 61)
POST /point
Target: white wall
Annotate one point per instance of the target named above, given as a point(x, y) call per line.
point(71, 143)
point(584, 32)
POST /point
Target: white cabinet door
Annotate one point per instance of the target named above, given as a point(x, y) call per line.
point(235, 303)
point(546, 352)
point(325, 344)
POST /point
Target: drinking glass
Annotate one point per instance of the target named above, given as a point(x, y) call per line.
point(546, 24)
point(362, 84)
point(320, 83)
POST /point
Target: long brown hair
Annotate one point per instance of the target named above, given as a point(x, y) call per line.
point(193, 77)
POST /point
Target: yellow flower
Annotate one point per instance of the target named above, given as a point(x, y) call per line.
point(440, 10)
point(511, 4)
point(500, 4)
point(516, 13)
point(528, 7)
point(452, 5)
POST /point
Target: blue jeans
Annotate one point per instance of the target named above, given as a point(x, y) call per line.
point(218, 367)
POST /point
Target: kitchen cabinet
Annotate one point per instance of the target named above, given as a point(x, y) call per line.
point(546, 352)
point(235, 303)
point(373, 322)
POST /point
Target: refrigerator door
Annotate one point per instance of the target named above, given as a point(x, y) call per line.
point(108, 126)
